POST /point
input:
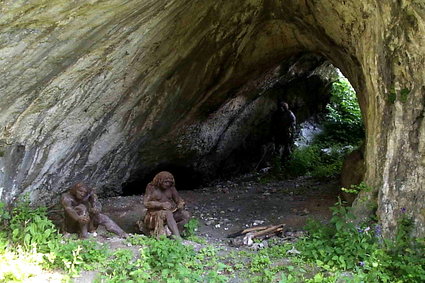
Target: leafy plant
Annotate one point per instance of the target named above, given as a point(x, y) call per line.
point(28, 232)
point(259, 262)
point(355, 189)
point(19, 265)
point(30, 227)
point(404, 94)
point(316, 161)
point(343, 122)
point(342, 245)
point(172, 261)
point(73, 255)
point(124, 267)
point(343, 130)
point(190, 228)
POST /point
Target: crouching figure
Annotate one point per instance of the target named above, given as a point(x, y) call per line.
point(83, 212)
point(165, 208)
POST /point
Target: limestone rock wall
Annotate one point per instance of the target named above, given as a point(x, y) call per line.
point(90, 89)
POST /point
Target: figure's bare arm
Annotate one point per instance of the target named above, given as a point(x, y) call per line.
point(96, 206)
point(149, 202)
point(177, 199)
point(69, 209)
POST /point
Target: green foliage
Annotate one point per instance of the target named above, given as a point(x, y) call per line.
point(124, 267)
point(392, 96)
point(170, 261)
point(167, 254)
point(356, 189)
point(4, 216)
point(74, 255)
point(30, 227)
point(403, 95)
point(19, 265)
point(304, 160)
point(259, 262)
point(343, 122)
point(4, 220)
point(190, 228)
point(27, 233)
point(342, 131)
point(315, 161)
point(24, 241)
point(327, 254)
point(341, 245)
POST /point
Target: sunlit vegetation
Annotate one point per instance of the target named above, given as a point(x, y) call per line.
point(342, 132)
point(340, 250)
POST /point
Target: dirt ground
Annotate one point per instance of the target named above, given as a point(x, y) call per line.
point(226, 207)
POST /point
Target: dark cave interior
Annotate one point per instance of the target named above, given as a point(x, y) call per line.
point(307, 92)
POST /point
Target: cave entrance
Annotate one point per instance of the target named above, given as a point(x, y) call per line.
point(251, 185)
point(298, 187)
point(328, 126)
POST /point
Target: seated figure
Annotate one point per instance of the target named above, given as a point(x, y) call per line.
point(165, 208)
point(83, 212)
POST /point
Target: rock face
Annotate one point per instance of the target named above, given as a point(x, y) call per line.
point(93, 90)
point(353, 170)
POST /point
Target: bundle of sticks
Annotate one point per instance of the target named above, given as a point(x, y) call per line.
point(259, 232)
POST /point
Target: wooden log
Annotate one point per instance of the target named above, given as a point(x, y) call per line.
point(254, 229)
point(268, 231)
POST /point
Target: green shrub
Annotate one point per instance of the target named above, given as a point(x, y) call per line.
point(124, 267)
point(18, 265)
point(341, 245)
point(343, 122)
point(168, 260)
point(303, 160)
point(315, 161)
point(343, 130)
point(190, 228)
point(30, 227)
point(27, 232)
point(259, 262)
point(74, 255)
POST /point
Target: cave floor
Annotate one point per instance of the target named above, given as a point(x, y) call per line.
point(229, 206)
point(226, 207)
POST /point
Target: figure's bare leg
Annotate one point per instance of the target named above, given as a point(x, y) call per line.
point(111, 226)
point(83, 227)
point(92, 226)
point(171, 222)
point(84, 230)
point(181, 217)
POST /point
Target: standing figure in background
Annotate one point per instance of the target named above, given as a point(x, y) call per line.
point(284, 122)
point(164, 206)
point(83, 212)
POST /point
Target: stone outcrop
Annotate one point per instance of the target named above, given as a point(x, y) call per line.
point(352, 173)
point(92, 90)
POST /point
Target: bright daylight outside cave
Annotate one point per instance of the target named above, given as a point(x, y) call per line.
point(212, 141)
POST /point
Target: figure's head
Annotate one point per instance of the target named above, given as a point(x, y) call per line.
point(283, 106)
point(80, 191)
point(163, 180)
